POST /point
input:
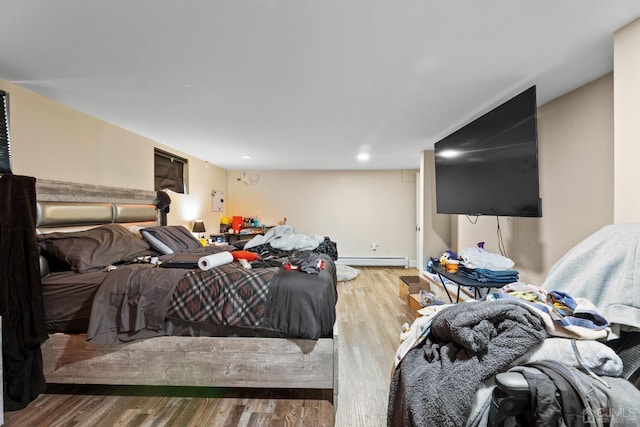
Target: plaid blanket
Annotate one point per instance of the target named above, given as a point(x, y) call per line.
point(228, 295)
point(134, 301)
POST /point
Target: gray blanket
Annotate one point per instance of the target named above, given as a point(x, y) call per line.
point(126, 307)
point(468, 343)
point(140, 301)
point(605, 269)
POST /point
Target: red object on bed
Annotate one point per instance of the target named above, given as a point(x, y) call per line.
point(248, 255)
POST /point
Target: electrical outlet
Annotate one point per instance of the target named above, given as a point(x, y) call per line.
point(374, 246)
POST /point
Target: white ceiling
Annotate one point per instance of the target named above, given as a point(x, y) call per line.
point(303, 84)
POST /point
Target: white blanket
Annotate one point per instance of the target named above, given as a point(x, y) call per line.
point(475, 257)
point(283, 237)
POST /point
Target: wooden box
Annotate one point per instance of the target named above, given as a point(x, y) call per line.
point(411, 285)
point(414, 302)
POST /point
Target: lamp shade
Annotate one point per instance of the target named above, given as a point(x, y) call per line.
point(198, 227)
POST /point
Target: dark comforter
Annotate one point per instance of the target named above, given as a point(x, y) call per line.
point(140, 301)
point(435, 383)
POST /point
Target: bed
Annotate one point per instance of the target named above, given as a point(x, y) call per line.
point(564, 353)
point(176, 351)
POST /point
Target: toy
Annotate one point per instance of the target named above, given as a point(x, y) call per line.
point(447, 255)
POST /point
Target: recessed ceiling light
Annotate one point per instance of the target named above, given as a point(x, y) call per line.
point(363, 157)
point(246, 157)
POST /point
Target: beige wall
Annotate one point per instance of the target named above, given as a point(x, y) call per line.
point(575, 136)
point(52, 141)
point(589, 154)
point(353, 208)
point(627, 123)
point(358, 208)
point(437, 231)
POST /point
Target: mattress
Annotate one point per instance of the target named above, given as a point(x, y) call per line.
point(140, 301)
point(67, 297)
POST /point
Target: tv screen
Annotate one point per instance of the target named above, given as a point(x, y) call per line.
point(490, 166)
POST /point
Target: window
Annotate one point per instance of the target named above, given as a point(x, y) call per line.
point(170, 172)
point(5, 147)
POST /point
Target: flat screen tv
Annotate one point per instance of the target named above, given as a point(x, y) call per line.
point(490, 166)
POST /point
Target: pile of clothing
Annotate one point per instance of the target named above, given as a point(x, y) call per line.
point(485, 275)
point(484, 266)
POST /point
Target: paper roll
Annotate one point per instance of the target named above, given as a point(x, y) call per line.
point(216, 260)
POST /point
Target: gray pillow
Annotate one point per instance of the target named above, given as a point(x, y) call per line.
point(93, 249)
point(170, 239)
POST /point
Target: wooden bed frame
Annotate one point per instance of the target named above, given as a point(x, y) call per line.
point(176, 361)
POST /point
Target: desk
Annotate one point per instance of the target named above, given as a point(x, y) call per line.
point(461, 280)
point(247, 233)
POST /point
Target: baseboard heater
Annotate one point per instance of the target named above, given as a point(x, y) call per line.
point(375, 261)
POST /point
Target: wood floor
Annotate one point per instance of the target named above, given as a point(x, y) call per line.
point(370, 316)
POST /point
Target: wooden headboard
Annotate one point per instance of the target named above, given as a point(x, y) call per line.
point(65, 206)
point(61, 191)
point(73, 216)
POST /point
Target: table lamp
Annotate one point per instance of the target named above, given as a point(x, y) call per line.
point(198, 227)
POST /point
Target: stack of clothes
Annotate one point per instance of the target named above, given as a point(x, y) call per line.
point(484, 266)
point(486, 275)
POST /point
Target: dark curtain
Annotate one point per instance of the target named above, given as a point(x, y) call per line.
point(5, 152)
point(23, 326)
